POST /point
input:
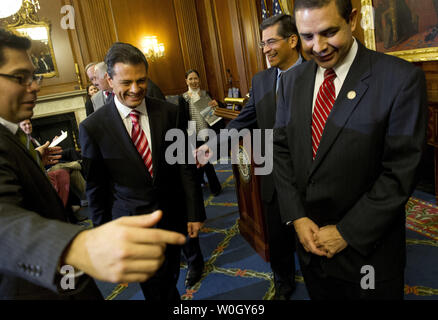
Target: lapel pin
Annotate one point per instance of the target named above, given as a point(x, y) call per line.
point(351, 95)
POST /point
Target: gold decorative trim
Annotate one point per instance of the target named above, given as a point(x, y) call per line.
point(27, 18)
point(367, 23)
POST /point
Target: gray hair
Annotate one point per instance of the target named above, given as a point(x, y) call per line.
point(100, 69)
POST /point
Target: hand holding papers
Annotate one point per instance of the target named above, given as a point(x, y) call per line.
point(209, 116)
point(59, 139)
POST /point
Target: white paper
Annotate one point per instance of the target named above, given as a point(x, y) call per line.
point(59, 139)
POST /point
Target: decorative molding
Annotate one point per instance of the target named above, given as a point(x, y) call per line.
point(62, 95)
point(55, 104)
point(216, 58)
point(190, 38)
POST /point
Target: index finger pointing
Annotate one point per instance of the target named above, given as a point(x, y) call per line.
point(142, 235)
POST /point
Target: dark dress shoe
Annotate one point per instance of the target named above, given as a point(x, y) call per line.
point(283, 292)
point(280, 297)
point(284, 286)
point(194, 274)
point(217, 192)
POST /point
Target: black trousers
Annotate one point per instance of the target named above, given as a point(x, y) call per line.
point(192, 252)
point(213, 180)
point(208, 169)
point(162, 286)
point(321, 286)
point(281, 240)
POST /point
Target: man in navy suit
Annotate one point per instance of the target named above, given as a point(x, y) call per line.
point(126, 177)
point(343, 182)
point(36, 241)
point(281, 46)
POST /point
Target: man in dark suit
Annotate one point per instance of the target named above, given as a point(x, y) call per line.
point(154, 91)
point(123, 149)
point(281, 45)
point(343, 181)
point(36, 242)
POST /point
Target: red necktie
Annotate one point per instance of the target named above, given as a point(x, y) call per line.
point(323, 106)
point(140, 141)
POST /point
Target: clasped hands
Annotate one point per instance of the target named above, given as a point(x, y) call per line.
point(325, 241)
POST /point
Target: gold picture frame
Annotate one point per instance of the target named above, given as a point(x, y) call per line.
point(368, 23)
point(27, 23)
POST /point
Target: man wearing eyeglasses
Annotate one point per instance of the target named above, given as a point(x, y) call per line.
point(36, 243)
point(281, 45)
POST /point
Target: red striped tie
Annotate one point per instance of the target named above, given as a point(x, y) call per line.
point(140, 141)
point(323, 106)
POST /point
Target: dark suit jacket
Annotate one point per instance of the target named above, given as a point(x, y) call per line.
point(259, 112)
point(118, 182)
point(89, 109)
point(365, 168)
point(33, 231)
point(154, 91)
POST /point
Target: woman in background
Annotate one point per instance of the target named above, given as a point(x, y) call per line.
point(194, 101)
point(197, 100)
point(91, 90)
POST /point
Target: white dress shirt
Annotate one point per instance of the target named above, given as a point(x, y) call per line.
point(124, 112)
point(13, 127)
point(340, 70)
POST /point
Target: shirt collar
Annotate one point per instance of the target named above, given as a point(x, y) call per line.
point(12, 127)
point(342, 69)
point(125, 111)
point(194, 90)
point(298, 62)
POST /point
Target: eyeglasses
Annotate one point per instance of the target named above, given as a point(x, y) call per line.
point(270, 42)
point(24, 80)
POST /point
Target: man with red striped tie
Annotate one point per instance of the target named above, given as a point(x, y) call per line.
point(123, 148)
point(351, 128)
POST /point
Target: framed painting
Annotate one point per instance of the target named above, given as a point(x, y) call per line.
point(404, 28)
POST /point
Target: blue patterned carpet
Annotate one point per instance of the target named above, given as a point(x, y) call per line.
point(233, 271)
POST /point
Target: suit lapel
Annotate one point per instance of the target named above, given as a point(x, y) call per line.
point(272, 111)
point(156, 127)
point(303, 98)
point(354, 85)
point(117, 129)
point(7, 134)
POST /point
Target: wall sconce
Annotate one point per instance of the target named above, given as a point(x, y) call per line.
point(152, 49)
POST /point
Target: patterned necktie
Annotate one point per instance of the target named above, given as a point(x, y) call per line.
point(278, 81)
point(29, 146)
point(108, 96)
point(324, 103)
point(140, 141)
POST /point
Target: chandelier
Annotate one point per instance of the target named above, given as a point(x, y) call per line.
point(152, 49)
point(20, 10)
point(9, 7)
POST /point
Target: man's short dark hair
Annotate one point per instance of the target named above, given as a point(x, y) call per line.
point(11, 40)
point(344, 6)
point(286, 26)
point(124, 53)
